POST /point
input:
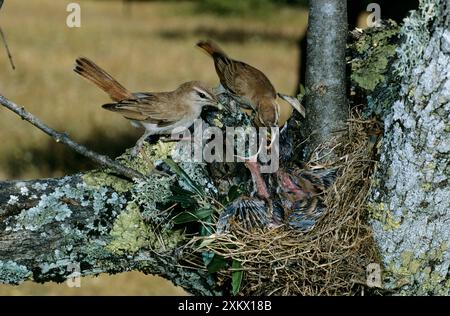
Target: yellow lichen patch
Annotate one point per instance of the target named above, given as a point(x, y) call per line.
point(162, 150)
point(169, 240)
point(427, 187)
point(406, 257)
point(129, 233)
point(418, 269)
point(98, 178)
point(379, 212)
point(373, 50)
point(218, 120)
point(414, 266)
point(144, 162)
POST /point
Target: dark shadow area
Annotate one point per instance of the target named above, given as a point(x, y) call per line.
point(236, 35)
point(50, 158)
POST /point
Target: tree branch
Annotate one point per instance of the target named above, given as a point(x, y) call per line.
point(5, 43)
point(64, 139)
point(50, 227)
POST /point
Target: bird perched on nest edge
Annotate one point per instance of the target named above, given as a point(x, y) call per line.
point(252, 87)
point(158, 112)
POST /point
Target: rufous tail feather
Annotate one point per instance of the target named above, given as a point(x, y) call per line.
point(211, 48)
point(89, 70)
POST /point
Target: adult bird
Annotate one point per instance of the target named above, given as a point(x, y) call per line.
point(157, 112)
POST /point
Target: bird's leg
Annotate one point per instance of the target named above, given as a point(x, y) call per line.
point(166, 139)
point(139, 144)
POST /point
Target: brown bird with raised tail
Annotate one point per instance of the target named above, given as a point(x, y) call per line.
point(245, 81)
point(252, 86)
point(157, 112)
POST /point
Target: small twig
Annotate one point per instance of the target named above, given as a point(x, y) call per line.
point(64, 139)
point(7, 49)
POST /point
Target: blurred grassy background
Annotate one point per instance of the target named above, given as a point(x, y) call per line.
point(147, 46)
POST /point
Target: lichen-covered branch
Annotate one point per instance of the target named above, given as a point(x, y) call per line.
point(52, 227)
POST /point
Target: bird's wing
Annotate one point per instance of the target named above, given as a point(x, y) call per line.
point(249, 81)
point(315, 181)
point(149, 107)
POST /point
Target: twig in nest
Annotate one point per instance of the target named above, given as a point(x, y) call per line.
point(64, 139)
point(7, 49)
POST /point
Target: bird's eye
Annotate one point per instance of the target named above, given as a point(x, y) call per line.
point(201, 95)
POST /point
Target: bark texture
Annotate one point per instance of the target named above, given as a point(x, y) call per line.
point(326, 101)
point(410, 202)
point(54, 229)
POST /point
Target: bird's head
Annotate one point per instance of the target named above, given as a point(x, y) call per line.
point(267, 112)
point(199, 94)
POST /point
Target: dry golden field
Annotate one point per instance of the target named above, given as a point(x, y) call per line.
point(147, 47)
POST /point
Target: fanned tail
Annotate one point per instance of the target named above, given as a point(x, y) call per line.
point(89, 70)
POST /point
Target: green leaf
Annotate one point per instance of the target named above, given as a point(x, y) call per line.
point(217, 263)
point(183, 197)
point(194, 216)
point(184, 176)
point(302, 90)
point(236, 277)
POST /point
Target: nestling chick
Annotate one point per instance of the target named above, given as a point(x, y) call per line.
point(158, 112)
point(295, 199)
point(301, 195)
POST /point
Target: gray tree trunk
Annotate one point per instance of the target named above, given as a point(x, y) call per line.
point(326, 100)
point(411, 196)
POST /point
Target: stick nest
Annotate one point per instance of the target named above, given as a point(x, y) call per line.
point(331, 259)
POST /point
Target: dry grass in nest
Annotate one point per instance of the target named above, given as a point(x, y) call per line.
point(331, 259)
